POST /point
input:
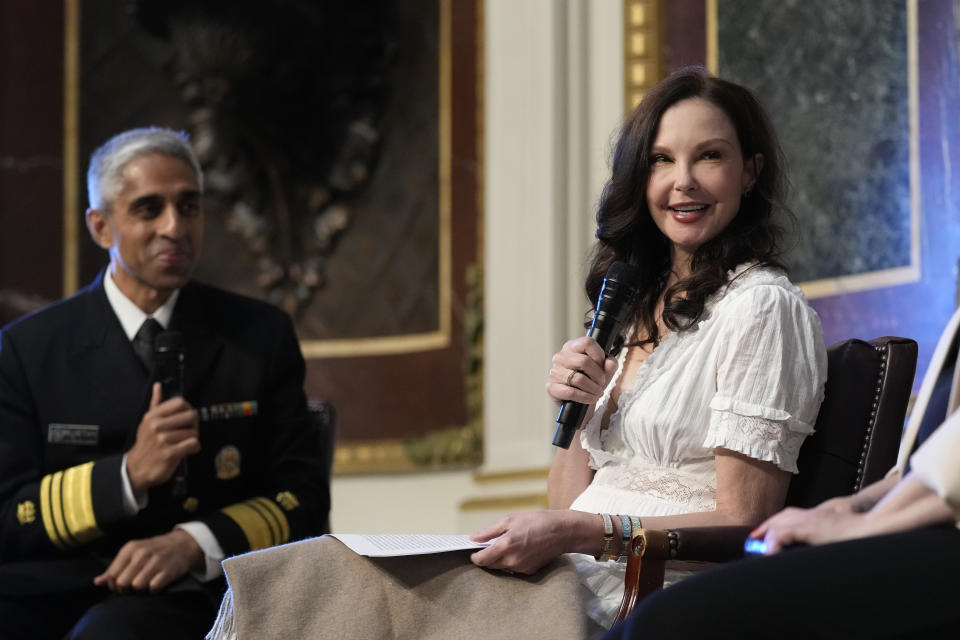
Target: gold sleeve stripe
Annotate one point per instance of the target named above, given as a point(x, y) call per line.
point(46, 513)
point(56, 506)
point(261, 521)
point(271, 522)
point(276, 517)
point(254, 527)
point(78, 503)
point(66, 506)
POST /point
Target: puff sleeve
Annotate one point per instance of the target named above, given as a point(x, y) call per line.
point(770, 375)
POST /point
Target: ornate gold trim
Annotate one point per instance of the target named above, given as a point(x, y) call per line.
point(713, 32)
point(884, 277)
point(642, 58)
point(71, 104)
point(387, 345)
point(513, 475)
point(452, 448)
point(506, 503)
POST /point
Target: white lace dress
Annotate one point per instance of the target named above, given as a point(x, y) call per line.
point(748, 377)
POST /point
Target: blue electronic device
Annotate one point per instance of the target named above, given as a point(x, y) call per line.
point(755, 546)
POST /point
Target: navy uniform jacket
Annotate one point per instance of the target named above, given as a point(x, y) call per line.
point(72, 393)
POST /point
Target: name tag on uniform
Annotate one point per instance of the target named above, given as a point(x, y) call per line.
point(87, 435)
point(228, 411)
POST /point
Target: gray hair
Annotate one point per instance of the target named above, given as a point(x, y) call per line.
point(105, 175)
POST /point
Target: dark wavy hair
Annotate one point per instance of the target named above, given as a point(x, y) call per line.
point(626, 230)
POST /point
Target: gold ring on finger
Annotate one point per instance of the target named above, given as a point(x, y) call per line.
point(570, 377)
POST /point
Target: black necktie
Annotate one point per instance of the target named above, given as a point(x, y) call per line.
point(143, 342)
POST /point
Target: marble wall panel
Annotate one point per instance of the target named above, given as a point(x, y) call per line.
point(834, 76)
point(839, 69)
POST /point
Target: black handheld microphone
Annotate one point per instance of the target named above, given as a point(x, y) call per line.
point(168, 353)
point(619, 285)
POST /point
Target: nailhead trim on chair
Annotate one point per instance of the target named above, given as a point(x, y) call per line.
point(674, 543)
point(871, 422)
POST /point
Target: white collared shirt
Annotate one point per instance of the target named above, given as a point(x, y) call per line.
point(131, 317)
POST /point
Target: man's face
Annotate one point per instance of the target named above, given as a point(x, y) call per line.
point(153, 228)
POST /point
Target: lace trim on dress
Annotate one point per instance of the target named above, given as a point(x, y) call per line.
point(759, 438)
point(661, 483)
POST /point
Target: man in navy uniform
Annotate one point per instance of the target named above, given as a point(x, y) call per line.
point(116, 503)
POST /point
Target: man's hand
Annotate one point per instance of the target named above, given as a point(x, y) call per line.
point(168, 432)
point(152, 563)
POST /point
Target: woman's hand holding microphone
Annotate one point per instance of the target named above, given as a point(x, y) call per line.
point(580, 372)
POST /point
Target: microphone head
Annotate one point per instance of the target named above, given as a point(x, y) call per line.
point(619, 288)
point(626, 274)
point(167, 341)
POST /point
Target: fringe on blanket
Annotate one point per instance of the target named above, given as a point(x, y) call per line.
point(224, 627)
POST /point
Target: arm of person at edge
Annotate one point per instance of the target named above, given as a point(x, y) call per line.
point(748, 490)
point(927, 495)
point(908, 504)
point(167, 433)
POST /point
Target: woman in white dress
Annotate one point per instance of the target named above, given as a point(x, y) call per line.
point(699, 419)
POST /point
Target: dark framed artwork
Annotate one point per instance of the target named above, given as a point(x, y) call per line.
point(340, 143)
point(846, 115)
point(844, 104)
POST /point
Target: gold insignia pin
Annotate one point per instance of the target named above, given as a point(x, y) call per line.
point(227, 462)
point(26, 512)
point(287, 500)
point(191, 504)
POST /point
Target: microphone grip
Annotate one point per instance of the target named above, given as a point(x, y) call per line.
point(170, 388)
point(179, 487)
point(168, 351)
point(568, 421)
point(619, 287)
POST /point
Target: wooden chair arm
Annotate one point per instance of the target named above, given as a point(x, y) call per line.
point(650, 550)
point(707, 544)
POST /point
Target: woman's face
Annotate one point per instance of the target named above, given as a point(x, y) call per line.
point(697, 175)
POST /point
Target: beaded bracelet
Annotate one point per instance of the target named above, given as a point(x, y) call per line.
point(627, 531)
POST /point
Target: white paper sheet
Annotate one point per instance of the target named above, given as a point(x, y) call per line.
point(394, 544)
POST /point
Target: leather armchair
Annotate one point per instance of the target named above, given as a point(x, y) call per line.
point(857, 435)
point(324, 417)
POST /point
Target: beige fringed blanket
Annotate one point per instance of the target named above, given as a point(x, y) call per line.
point(318, 588)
